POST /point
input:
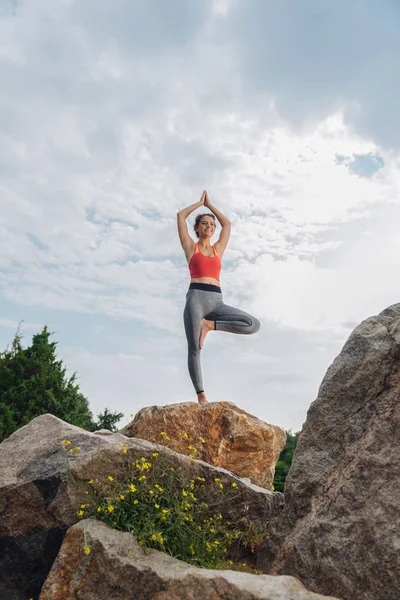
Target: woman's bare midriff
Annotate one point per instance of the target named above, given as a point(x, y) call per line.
point(208, 280)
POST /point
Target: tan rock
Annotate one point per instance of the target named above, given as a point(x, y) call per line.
point(234, 439)
point(42, 485)
point(117, 567)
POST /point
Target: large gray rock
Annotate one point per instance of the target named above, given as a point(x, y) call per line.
point(42, 486)
point(117, 567)
point(340, 532)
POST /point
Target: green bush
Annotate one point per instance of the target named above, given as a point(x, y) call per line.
point(167, 510)
point(285, 460)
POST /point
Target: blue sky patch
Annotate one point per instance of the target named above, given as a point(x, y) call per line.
point(363, 165)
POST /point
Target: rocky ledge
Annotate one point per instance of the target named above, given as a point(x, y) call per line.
point(220, 433)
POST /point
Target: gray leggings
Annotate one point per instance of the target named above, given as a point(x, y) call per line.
point(205, 301)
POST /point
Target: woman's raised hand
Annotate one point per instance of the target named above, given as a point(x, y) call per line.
point(206, 200)
point(203, 198)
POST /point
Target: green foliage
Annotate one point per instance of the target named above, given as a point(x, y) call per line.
point(285, 460)
point(168, 510)
point(108, 420)
point(33, 382)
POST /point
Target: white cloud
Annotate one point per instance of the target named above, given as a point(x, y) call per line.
point(221, 7)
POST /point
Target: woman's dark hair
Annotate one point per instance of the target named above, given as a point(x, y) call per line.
point(198, 219)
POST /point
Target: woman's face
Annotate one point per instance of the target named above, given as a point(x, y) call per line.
point(206, 227)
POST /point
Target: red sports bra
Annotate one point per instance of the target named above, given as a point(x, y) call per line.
point(204, 266)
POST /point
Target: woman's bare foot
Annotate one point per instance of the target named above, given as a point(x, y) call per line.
point(206, 326)
point(201, 397)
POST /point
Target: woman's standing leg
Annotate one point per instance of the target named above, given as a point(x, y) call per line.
point(192, 317)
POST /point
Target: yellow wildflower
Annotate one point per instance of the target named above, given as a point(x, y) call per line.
point(124, 451)
point(136, 502)
point(66, 443)
point(80, 513)
point(122, 497)
point(86, 550)
point(110, 478)
point(185, 435)
point(165, 510)
point(157, 537)
point(191, 550)
point(83, 505)
point(132, 488)
point(202, 440)
point(157, 506)
point(155, 454)
point(110, 508)
point(234, 484)
point(184, 493)
point(91, 481)
point(142, 478)
point(99, 509)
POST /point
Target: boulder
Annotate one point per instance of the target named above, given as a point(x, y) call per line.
point(43, 482)
point(219, 433)
point(115, 566)
point(340, 531)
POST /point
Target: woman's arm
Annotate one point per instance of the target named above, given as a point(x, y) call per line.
point(225, 227)
point(182, 215)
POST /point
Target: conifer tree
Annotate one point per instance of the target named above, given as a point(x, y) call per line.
point(108, 420)
point(34, 382)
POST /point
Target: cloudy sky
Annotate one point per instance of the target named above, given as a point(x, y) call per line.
point(116, 114)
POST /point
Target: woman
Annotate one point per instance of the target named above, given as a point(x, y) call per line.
point(205, 309)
